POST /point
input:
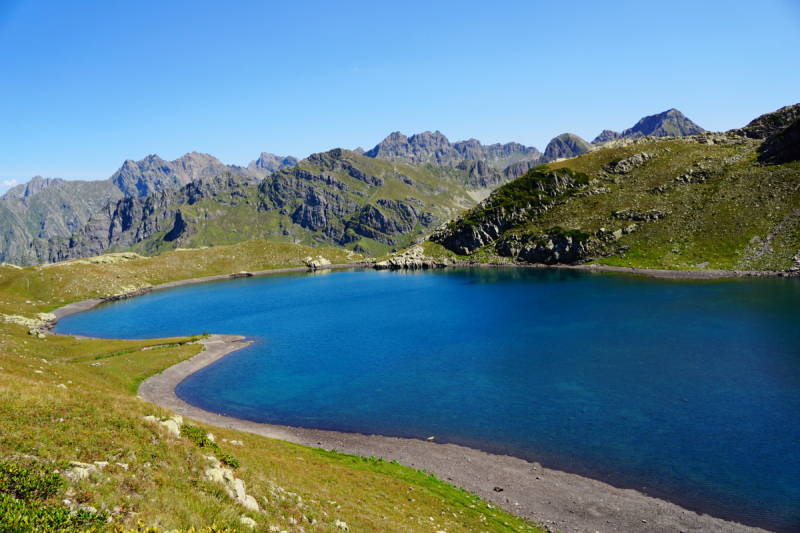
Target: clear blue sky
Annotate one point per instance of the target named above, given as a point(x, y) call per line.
point(86, 85)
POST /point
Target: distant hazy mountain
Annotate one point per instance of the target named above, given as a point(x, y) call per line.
point(670, 123)
point(605, 136)
point(52, 207)
point(436, 149)
point(35, 186)
point(565, 146)
point(272, 162)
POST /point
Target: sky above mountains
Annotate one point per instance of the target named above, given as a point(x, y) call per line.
point(87, 85)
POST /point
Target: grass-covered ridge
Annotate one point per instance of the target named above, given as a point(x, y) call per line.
point(696, 203)
point(65, 401)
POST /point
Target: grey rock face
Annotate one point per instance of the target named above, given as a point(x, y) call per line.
point(670, 123)
point(50, 208)
point(565, 146)
point(481, 175)
point(781, 133)
point(515, 170)
point(152, 174)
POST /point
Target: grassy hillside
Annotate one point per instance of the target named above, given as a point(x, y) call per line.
point(697, 203)
point(64, 400)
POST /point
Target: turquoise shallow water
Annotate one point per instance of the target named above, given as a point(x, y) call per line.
point(687, 390)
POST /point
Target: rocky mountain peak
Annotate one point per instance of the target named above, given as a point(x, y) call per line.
point(605, 136)
point(436, 149)
point(36, 185)
point(272, 162)
point(671, 123)
point(565, 146)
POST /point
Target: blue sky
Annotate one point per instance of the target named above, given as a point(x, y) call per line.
point(86, 85)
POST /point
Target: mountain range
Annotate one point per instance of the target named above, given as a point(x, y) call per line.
point(720, 200)
point(37, 218)
point(53, 207)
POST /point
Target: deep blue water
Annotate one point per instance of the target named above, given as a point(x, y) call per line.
point(687, 390)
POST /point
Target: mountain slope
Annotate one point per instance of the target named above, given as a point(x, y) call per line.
point(705, 200)
point(336, 198)
point(48, 208)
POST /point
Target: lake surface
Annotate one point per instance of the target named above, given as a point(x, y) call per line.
point(686, 390)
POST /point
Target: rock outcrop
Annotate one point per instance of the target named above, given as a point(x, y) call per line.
point(781, 133)
point(623, 166)
point(553, 249)
point(414, 258)
point(782, 147)
point(234, 486)
point(770, 124)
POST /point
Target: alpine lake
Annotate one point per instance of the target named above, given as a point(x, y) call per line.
point(687, 390)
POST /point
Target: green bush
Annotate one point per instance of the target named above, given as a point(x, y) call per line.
point(28, 483)
point(200, 438)
point(24, 491)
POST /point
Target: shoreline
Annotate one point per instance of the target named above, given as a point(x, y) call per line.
point(558, 500)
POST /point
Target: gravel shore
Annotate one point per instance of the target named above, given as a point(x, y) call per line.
point(558, 500)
